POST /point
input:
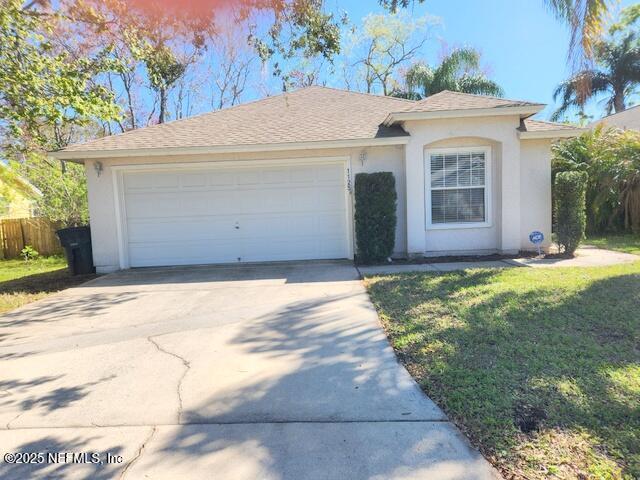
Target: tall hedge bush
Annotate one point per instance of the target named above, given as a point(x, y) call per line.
point(569, 196)
point(611, 157)
point(375, 215)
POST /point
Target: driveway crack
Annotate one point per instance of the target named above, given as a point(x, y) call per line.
point(139, 452)
point(8, 426)
point(187, 366)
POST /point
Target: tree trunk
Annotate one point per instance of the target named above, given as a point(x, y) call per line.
point(618, 102)
point(132, 112)
point(163, 105)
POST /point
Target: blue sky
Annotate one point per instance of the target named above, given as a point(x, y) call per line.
point(523, 45)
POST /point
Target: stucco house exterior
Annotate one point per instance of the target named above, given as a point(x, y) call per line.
point(272, 179)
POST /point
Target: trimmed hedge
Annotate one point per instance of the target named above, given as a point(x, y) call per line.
point(375, 215)
point(569, 197)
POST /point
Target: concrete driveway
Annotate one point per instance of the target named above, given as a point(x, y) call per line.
point(271, 372)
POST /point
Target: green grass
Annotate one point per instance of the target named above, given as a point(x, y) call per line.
point(24, 282)
point(18, 268)
point(557, 348)
point(627, 243)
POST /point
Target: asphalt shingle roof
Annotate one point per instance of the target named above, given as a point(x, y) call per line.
point(447, 100)
point(314, 114)
point(529, 125)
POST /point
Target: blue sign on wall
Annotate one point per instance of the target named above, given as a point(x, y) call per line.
point(536, 237)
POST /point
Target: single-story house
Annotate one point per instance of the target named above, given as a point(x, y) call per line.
point(272, 179)
point(628, 119)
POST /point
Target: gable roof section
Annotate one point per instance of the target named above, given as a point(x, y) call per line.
point(448, 100)
point(448, 104)
point(314, 114)
point(532, 129)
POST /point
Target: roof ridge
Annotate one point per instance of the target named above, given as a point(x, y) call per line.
point(156, 126)
point(490, 96)
point(366, 94)
point(434, 95)
point(244, 104)
point(314, 113)
point(616, 113)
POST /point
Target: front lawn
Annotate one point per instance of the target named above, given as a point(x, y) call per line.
point(627, 243)
point(24, 282)
point(539, 367)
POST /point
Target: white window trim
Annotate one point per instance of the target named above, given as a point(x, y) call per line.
point(488, 174)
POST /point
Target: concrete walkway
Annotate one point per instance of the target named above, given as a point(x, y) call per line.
point(586, 256)
point(270, 372)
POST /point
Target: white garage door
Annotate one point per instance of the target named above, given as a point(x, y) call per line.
point(224, 215)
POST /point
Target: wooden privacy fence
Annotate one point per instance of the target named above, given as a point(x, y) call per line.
point(16, 233)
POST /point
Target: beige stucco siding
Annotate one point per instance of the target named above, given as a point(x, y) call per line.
point(520, 190)
point(387, 159)
point(535, 191)
point(472, 240)
point(102, 202)
point(503, 234)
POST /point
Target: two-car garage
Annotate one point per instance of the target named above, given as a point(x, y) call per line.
point(196, 214)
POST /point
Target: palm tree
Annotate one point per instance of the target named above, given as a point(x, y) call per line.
point(616, 74)
point(459, 72)
point(586, 19)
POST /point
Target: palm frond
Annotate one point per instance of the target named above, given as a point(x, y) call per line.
point(572, 95)
point(458, 62)
point(479, 85)
point(618, 74)
point(418, 77)
point(459, 59)
point(586, 20)
point(459, 71)
point(407, 95)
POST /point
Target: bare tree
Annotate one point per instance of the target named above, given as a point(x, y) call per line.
point(191, 93)
point(304, 72)
point(233, 60)
point(385, 43)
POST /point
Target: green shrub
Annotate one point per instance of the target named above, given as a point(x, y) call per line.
point(375, 215)
point(611, 157)
point(569, 197)
point(29, 253)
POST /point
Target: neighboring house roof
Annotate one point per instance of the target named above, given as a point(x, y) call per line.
point(316, 116)
point(530, 128)
point(628, 119)
point(17, 195)
point(18, 183)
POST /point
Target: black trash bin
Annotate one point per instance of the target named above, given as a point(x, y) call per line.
point(76, 242)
